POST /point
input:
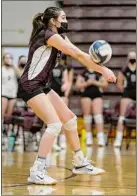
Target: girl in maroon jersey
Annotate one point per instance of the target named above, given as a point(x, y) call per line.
point(46, 43)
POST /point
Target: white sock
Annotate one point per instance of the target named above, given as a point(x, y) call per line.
point(105, 137)
point(62, 138)
point(41, 163)
point(48, 160)
point(100, 134)
point(119, 135)
point(55, 141)
point(78, 157)
point(89, 135)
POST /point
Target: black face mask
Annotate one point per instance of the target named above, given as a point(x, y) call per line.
point(132, 61)
point(22, 65)
point(63, 28)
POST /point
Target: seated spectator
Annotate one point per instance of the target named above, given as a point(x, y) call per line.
point(21, 63)
point(90, 84)
point(127, 84)
point(61, 84)
point(9, 85)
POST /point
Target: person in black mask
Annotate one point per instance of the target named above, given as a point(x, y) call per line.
point(127, 84)
point(21, 63)
point(61, 84)
point(48, 40)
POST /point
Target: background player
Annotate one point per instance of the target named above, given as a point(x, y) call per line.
point(61, 85)
point(90, 83)
point(127, 84)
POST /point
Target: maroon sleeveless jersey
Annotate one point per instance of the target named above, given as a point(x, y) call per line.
point(41, 60)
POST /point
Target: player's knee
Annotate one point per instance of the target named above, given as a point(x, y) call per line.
point(88, 119)
point(121, 119)
point(71, 125)
point(54, 128)
point(98, 118)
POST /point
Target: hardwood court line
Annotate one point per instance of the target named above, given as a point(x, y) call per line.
point(14, 174)
point(16, 185)
point(101, 186)
point(25, 184)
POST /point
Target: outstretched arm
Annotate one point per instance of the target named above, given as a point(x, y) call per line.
point(120, 81)
point(81, 83)
point(102, 83)
point(68, 48)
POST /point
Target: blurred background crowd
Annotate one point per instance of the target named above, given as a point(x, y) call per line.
point(106, 112)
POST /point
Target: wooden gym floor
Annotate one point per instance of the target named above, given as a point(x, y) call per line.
point(119, 179)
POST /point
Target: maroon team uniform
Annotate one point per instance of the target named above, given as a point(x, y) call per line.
point(37, 74)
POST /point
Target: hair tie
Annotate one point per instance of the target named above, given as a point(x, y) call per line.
point(42, 15)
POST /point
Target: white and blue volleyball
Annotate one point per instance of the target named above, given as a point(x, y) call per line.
point(100, 52)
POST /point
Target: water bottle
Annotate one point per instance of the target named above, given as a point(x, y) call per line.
point(11, 142)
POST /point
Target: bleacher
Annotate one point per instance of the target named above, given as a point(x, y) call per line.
point(114, 21)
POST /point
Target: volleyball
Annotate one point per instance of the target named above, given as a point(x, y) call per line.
point(100, 52)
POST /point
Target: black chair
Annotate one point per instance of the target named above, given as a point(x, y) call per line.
point(130, 124)
point(113, 118)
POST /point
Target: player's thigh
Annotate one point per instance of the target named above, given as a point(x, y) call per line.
point(43, 108)
point(61, 108)
point(86, 105)
point(123, 105)
point(4, 101)
point(97, 105)
point(11, 104)
point(65, 99)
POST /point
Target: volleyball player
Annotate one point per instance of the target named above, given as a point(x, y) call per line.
point(127, 84)
point(46, 43)
point(91, 84)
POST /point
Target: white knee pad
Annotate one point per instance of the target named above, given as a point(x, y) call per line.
point(121, 119)
point(71, 125)
point(54, 129)
point(88, 119)
point(98, 118)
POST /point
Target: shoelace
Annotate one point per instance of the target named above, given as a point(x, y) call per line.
point(43, 171)
point(85, 162)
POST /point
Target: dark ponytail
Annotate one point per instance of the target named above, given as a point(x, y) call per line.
point(37, 25)
point(41, 20)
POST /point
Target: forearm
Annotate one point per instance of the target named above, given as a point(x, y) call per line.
point(86, 60)
point(83, 58)
point(82, 85)
point(120, 86)
point(71, 74)
point(69, 49)
point(18, 72)
point(65, 77)
point(120, 81)
point(100, 84)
